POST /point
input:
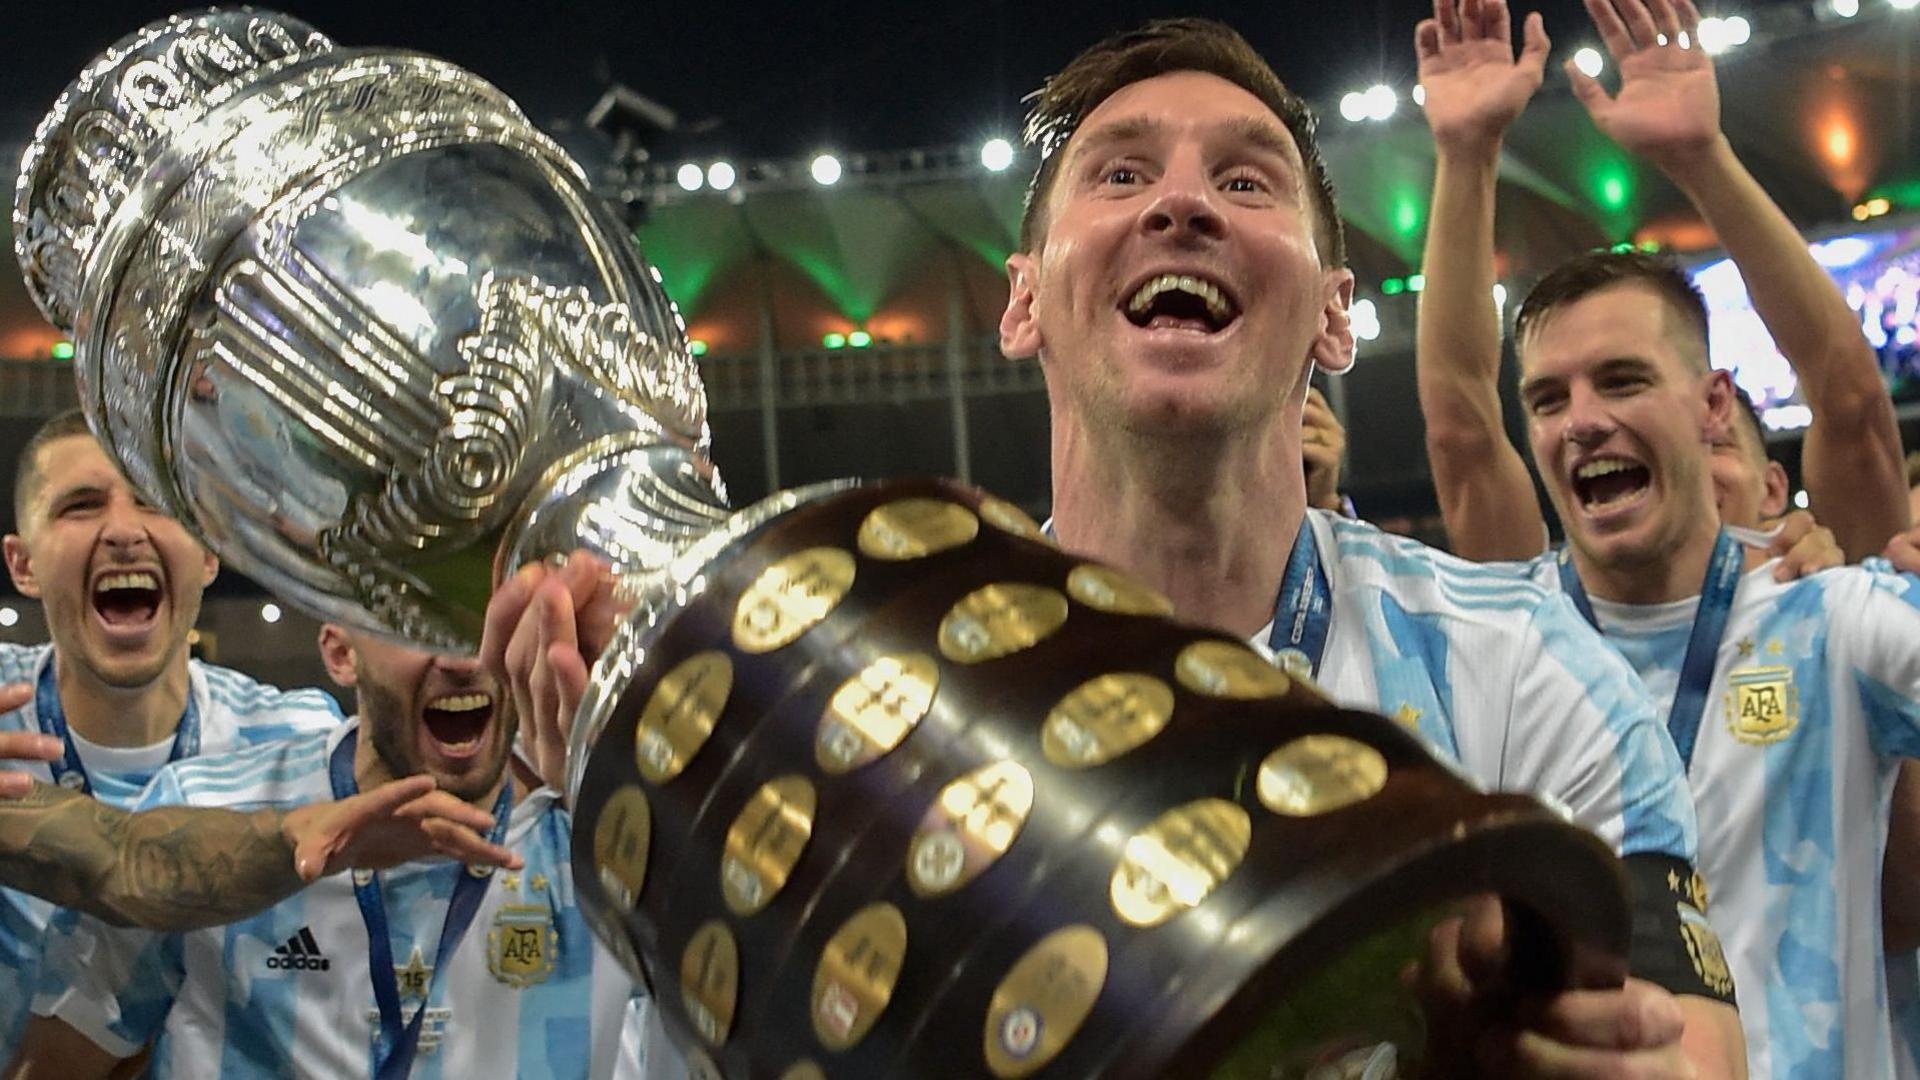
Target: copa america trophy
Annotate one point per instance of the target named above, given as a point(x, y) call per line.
point(874, 780)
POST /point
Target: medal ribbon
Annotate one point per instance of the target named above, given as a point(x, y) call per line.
point(400, 1041)
point(71, 772)
point(1303, 612)
point(1703, 645)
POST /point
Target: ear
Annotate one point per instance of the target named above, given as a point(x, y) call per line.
point(336, 652)
point(20, 567)
point(1720, 407)
point(1019, 333)
point(1332, 349)
point(1775, 502)
point(209, 568)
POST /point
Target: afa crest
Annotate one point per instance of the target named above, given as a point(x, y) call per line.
point(522, 946)
point(1763, 705)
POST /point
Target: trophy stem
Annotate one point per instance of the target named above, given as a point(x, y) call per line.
point(637, 506)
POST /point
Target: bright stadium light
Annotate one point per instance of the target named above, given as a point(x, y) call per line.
point(270, 612)
point(1365, 319)
point(1353, 106)
point(825, 170)
point(1903, 5)
point(1589, 61)
point(1381, 101)
point(8, 616)
point(1739, 31)
point(689, 177)
point(1846, 9)
point(720, 176)
point(996, 155)
point(1419, 95)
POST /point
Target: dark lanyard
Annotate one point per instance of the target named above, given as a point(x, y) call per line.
point(1703, 646)
point(401, 1040)
point(1303, 612)
point(71, 773)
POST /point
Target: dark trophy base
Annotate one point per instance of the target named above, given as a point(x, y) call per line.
point(901, 789)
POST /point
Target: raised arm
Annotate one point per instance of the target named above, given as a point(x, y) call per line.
point(1668, 111)
point(1475, 87)
point(180, 868)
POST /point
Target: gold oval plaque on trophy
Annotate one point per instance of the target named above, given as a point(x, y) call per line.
point(1105, 717)
point(873, 711)
point(915, 528)
point(1226, 669)
point(620, 842)
point(973, 821)
point(1176, 862)
point(791, 597)
point(680, 714)
point(1009, 518)
point(1000, 620)
point(710, 980)
point(1105, 589)
point(1317, 774)
point(1045, 997)
point(765, 842)
point(854, 979)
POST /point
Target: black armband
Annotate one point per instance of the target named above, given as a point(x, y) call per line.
point(1673, 945)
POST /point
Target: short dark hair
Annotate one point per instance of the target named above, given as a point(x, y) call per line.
point(1584, 275)
point(1159, 48)
point(26, 472)
point(1746, 408)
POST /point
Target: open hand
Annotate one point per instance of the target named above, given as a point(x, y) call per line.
point(397, 822)
point(22, 745)
point(1668, 106)
point(1475, 85)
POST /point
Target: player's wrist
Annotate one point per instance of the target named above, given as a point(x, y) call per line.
point(1696, 165)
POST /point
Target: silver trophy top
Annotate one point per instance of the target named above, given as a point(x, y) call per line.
point(358, 324)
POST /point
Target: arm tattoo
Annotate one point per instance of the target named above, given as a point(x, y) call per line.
point(173, 868)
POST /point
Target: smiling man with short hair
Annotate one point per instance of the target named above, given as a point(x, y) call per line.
point(120, 584)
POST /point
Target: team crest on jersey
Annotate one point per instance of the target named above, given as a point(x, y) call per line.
point(1763, 705)
point(1703, 948)
point(522, 946)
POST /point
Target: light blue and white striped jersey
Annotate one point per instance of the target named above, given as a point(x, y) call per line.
point(1813, 701)
point(1505, 678)
point(528, 992)
point(234, 712)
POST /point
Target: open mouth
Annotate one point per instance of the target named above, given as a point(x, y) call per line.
point(457, 723)
point(1607, 483)
point(1181, 302)
point(127, 599)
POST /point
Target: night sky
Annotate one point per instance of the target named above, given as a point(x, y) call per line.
point(772, 79)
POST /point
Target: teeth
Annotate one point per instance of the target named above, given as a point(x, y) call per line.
point(461, 702)
point(1207, 291)
point(140, 580)
point(1602, 467)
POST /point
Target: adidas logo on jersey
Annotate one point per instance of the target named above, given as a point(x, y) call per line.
point(300, 953)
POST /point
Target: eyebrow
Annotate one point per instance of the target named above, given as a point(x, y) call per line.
point(1262, 134)
point(1613, 365)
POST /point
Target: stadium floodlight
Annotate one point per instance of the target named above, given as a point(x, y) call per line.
point(8, 616)
point(1419, 95)
point(1846, 9)
point(1353, 106)
point(1589, 61)
point(270, 612)
point(1381, 101)
point(689, 177)
point(1365, 319)
point(1903, 5)
point(720, 176)
point(996, 155)
point(825, 170)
